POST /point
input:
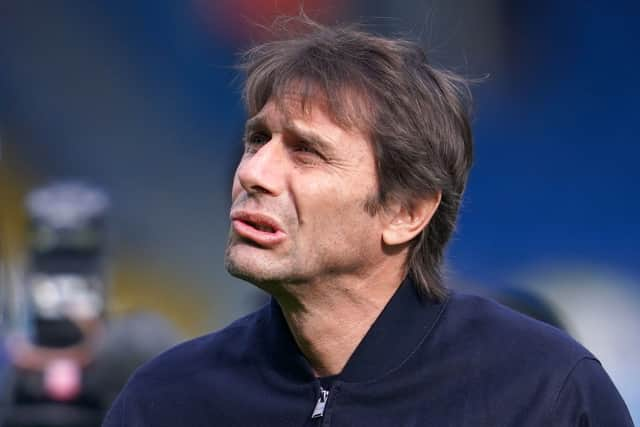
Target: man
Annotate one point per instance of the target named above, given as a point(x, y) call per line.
point(356, 157)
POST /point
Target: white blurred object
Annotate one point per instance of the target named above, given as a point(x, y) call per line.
point(67, 204)
point(77, 296)
point(602, 311)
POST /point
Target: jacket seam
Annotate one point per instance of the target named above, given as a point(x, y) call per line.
point(428, 332)
point(564, 384)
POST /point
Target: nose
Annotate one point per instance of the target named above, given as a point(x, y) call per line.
point(262, 170)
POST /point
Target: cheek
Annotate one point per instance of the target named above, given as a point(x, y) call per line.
point(236, 188)
point(335, 212)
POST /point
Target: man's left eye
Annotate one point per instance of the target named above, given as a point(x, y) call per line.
point(305, 149)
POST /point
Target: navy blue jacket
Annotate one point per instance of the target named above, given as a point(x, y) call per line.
point(464, 362)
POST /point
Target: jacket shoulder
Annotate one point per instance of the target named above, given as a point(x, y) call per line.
point(511, 335)
point(229, 345)
point(197, 367)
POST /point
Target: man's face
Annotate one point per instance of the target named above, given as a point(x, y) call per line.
point(298, 200)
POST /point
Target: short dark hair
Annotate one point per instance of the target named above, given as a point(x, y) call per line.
point(415, 115)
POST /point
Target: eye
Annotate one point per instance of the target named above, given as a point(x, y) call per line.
point(255, 140)
point(306, 154)
point(304, 148)
point(259, 138)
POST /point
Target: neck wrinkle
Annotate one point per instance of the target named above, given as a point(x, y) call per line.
point(328, 321)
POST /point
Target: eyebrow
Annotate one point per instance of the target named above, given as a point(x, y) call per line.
point(254, 123)
point(319, 142)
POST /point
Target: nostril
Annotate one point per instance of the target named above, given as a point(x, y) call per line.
point(258, 189)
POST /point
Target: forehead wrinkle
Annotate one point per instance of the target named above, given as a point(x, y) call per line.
point(347, 104)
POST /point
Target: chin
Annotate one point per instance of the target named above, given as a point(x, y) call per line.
point(250, 267)
point(261, 274)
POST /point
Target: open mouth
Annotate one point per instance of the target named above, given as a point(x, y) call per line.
point(261, 227)
point(257, 228)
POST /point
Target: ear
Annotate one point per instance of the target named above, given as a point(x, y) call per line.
point(406, 222)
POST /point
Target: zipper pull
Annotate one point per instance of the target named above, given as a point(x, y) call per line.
point(318, 411)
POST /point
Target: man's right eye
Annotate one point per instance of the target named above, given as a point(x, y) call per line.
point(255, 140)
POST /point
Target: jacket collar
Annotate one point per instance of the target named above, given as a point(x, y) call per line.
point(403, 325)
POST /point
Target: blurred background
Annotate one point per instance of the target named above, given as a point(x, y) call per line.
point(142, 99)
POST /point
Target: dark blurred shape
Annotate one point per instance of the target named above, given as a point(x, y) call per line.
point(531, 305)
point(68, 361)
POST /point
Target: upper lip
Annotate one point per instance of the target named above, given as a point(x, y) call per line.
point(256, 218)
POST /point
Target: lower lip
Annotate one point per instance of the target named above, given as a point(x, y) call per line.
point(262, 238)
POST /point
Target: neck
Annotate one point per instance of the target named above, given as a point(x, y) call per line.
point(329, 319)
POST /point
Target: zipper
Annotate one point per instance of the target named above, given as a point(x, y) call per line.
point(318, 411)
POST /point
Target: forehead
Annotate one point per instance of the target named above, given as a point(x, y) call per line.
point(345, 106)
point(291, 111)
